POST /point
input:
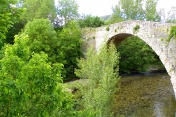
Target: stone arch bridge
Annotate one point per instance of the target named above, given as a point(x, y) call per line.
point(155, 34)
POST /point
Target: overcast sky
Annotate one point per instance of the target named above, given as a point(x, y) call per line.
point(103, 7)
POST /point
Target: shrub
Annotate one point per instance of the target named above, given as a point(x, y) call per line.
point(107, 28)
point(102, 72)
point(29, 85)
point(172, 33)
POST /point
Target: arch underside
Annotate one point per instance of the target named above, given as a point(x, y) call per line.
point(117, 39)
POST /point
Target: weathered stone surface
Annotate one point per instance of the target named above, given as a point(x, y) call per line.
point(155, 34)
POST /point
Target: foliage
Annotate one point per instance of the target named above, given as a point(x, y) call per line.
point(67, 10)
point(9, 14)
point(172, 33)
point(69, 47)
point(14, 30)
point(90, 21)
point(107, 28)
point(29, 85)
point(42, 36)
point(114, 19)
point(136, 28)
point(151, 13)
point(135, 55)
point(36, 9)
point(63, 46)
point(101, 70)
point(133, 9)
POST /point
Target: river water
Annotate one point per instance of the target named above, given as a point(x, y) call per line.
point(147, 95)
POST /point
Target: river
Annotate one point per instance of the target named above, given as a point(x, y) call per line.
point(147, 95)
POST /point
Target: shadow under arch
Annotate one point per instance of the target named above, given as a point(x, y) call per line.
point(117, 39)
point(148, 59)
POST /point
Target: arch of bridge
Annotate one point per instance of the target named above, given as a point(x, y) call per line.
point(154, 34)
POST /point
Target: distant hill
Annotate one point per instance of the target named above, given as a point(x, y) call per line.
point(105, 17)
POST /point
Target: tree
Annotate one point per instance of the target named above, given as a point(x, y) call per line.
point(151, 12)
point(134, 10)
point(90, 21)
point(14, 30)
point(66, 10)
point(101, 70)
point(63, 47)
point(69, 47)
point(42, 36)
point(129, 9)
point(9, 14)
point(114, 19)
point(36, 9)
point(136, 55)
point(30, 85)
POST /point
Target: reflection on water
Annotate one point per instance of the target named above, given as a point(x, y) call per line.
point(158, 109)
point(145, 96)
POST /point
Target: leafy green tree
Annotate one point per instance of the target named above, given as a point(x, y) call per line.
point(90, 21)
point(63, 47)
point(69, 47)
point(114, 19)
point(151, 12)
point(42, 36)
point(134, 10)
point(101, 70)
point(9, 14)
point(14, 30)
point(36, 9)
point(129, 9)
point(136, 55)
point(67, 10)
point(30, 86)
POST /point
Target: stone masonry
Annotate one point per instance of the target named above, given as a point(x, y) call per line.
point(155, 34)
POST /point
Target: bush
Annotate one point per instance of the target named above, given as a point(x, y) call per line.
point(102, 72)
point(69, 48)
point(172, 33)
point(63, 47)
point(107, 28)
point(90, 21)
point(42, 36)
point(29, 85)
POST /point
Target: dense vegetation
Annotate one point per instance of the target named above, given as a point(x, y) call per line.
point(90, 21)
point(30, 85)
point(102, 72)
point(41, 46)
point(38, 50)
point(137, 56)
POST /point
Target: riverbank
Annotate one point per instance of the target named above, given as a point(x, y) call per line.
point(147, 73)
